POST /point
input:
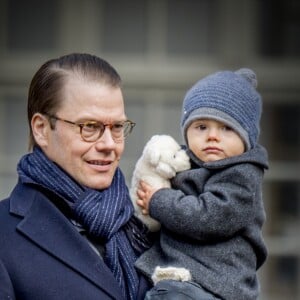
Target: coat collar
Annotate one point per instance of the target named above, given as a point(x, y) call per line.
point(257, 155)
point(43, 224)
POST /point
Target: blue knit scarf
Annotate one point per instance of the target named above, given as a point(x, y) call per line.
point(101, 213)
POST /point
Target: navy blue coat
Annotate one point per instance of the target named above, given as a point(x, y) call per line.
point(42, 255)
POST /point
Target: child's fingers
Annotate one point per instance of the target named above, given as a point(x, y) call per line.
point(144, 185)
point(141, 194)
point(140, 203)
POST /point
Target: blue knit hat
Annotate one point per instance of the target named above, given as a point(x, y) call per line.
point(228, 97)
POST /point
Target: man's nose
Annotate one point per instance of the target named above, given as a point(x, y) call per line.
point(107, 138)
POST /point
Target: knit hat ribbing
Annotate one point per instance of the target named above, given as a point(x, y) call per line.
point(228, 97)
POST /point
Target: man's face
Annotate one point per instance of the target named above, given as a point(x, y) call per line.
point(92, 164)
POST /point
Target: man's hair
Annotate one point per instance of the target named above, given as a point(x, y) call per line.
point(46, 87)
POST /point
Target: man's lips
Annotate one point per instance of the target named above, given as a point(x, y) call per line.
point(100, 165)
point(99, 162)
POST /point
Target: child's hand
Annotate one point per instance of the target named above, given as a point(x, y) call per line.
point(145, 192)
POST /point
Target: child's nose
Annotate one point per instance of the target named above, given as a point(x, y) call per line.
point(213, 134)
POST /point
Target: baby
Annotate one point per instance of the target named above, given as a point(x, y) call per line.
point(212, 216)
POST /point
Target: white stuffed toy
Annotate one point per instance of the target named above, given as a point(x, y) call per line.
point(161, 159)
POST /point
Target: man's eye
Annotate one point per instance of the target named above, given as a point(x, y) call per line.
point(91, 126)
point(118, 127)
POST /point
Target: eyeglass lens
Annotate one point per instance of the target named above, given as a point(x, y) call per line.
point(91, 131)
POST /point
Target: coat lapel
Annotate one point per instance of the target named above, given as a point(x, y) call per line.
point(44, 225)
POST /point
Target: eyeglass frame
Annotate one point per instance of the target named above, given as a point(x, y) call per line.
point(101, 129)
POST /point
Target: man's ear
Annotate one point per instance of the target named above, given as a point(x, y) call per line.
point(40, 126)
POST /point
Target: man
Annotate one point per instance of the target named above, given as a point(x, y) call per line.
point(67, 230)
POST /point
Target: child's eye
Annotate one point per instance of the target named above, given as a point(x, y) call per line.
point(227, 128)
point(201, 127)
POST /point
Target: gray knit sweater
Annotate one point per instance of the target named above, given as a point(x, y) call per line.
point(212, 222)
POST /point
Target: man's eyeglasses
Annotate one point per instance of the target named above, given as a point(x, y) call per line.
point(91, 131)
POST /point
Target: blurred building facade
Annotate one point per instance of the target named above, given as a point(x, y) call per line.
point(160, 48)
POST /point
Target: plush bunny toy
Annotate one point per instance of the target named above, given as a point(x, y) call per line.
point(161, 159)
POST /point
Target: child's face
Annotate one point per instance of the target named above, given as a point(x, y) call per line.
point(212, 140)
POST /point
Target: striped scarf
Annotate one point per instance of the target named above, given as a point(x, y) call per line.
point(101, 213)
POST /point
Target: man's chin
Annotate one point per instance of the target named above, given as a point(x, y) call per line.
point(101, 185)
